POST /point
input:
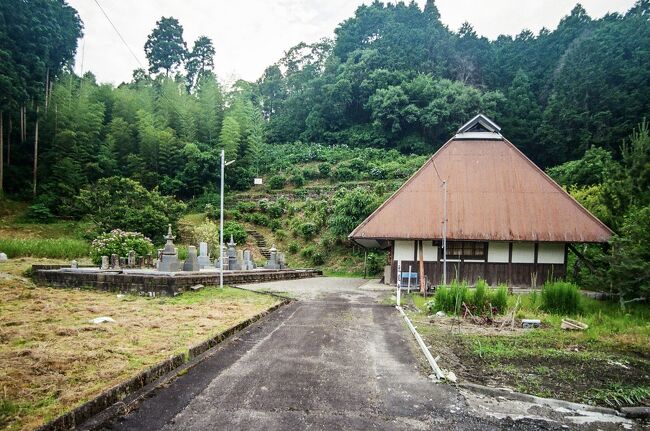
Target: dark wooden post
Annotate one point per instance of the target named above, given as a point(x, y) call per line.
point(423, 287)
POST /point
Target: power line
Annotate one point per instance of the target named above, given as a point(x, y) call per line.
point(119, 34)
point(164, 96)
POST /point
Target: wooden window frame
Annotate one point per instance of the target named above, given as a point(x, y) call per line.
point(476, 250)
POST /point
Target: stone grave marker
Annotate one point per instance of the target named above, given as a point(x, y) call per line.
point(104, 263)
point(192, 261)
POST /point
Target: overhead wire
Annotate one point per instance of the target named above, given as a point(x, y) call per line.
point(135, 56)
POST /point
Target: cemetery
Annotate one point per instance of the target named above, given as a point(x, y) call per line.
point(167, 275)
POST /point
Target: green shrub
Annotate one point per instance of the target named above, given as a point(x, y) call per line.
point(280, 234)
point(308, 230)
point(274, 225)
point(310, 173)
point(276, 182)
point(259, 219)
point(275, 210)
point(308, 251)
point(293, 247)
point(344, 173)
point(375, 263)
point(120, 243)
point(39, 213)
point(297, 180)
point(317, 258)
point(324, 169)
point(121, 203)
point(60, 248)
point(246, 207)
point(238, 232)
point(560, 297)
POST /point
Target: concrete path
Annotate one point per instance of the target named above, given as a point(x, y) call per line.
point(335, 359)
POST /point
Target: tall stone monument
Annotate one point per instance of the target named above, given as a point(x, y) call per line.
point(272, 263)
point(168, 256)
point(204, 258)
point(232, 256)
point(192, 261)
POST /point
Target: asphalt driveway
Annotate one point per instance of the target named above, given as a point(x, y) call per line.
point(334, 359)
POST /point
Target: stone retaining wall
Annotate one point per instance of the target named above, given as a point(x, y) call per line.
point(159, 284)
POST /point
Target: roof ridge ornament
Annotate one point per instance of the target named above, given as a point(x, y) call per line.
point(479, 127)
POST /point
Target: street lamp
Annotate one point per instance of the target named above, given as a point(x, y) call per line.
point(223, 165)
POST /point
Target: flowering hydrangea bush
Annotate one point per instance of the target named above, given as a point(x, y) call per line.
point(120, 243)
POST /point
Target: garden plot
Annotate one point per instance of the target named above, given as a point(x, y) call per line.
point(608, 364)
point(52, 358)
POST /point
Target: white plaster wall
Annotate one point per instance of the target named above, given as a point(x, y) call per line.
point(523, 252)
point(429, 251)
point(550, 253)
point(403, 250)
point(498, 252)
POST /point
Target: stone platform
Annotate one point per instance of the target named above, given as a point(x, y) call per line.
point(154, 283)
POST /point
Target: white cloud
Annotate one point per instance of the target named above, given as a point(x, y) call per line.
point(250, 35)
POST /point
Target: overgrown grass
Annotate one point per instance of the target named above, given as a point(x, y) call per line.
point(52, 359)
point(560, 297)
point(61, 248)
point(481, 300)
point(618, 395)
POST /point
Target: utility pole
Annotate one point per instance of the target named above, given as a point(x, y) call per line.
point(223, 165)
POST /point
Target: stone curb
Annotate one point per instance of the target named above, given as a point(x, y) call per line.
point(636, 412)
point(125, 396)
point(551, 402)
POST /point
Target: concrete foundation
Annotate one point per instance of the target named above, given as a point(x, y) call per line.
point(153, 283)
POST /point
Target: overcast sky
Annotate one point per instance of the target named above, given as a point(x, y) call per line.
point(249, 35)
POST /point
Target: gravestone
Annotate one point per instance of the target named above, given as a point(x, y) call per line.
point(232, 256)
point(131, 259)
point(192, 261)
point(248, 260)
point(204, 258)
point(281, 261)
point(272, 262)
point(122, 261)
point(104, 263)
point(115, 263)
point(74, 264)
point(139, 261)
point(168, 260)
point(148, 261)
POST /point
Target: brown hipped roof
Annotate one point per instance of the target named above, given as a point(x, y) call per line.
point(494, 193)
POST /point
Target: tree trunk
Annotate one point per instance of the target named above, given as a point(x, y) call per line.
point(2, 152)
point(9, 142)
point(22, 124)
point(35, 150)
point(47, 87)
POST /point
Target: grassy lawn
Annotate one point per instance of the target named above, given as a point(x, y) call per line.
point(608, 364)
point(52, 359)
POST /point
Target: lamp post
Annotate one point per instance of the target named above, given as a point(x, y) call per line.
point(223, 165)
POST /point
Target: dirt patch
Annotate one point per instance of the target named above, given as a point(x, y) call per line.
point(541, 362)
point(53, 359)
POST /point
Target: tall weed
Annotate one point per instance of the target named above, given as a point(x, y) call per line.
point(560, 297)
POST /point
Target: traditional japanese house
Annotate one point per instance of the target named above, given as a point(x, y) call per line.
point(506, 220)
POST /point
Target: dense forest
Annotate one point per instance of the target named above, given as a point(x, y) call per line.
point(394, 77)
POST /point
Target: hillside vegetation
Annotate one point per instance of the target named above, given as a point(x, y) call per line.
point(333, 127)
